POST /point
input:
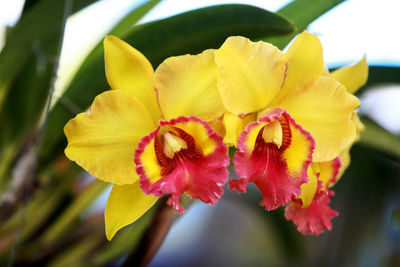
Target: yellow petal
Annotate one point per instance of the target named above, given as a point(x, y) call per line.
point(187, 85)
point(305, 64)
point(309, 189)
point(249, 74)
point(147, 159)
point(103, 141)
point(125, 205)
point(345, 158)
point(234, 125)
point(353, 77)
point(218, 126)
point(127, 69)
point(325, 110)
point(359, 125)
point(345, 153)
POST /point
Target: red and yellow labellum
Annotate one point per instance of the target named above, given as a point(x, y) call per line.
point(183, 155)
point(274, 153)
point(310, 211)
point(315, 218)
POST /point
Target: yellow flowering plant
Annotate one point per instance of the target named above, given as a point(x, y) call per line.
point(139, 129)
point(162, 132)
point(155, 130)
point(305, 120)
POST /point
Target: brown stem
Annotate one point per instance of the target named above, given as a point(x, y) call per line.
point(22, 179)
point(153, 237)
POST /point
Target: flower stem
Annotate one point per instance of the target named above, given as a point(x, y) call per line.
point(153, 237)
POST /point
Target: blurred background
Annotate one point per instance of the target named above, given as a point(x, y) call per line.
point(51, 68)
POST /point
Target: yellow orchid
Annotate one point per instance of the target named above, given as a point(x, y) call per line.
point(153, 141)
point(155, 133)
point(311, 212)
point(302, 115)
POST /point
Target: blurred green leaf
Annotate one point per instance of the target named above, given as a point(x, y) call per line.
point(302, 13)
point(190, 32)
point(76, 4)
point(76, 255)
point(381, 75)
point(27, 70)
point(27, 60)
point(133, 17)
point(74, 210)
point(42, 20)
point(123, 242)
point(38, 211)
point(27, 95)
point(195, 31)
point(374, 136)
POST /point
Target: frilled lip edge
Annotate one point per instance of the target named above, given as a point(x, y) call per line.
point(146, 185)
point(316, 218)
point(272, 115)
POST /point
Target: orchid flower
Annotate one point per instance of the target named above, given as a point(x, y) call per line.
point(150, 133)
point(310, 211)
point(302, 115)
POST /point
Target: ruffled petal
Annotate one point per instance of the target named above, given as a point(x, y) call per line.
point(187, 85)
point(125, 205)
point(197, 166)
point(249, 74)
point(329, 172)
point(103, 141)
point(353, 77)
point(128, 69)
point(278, 167)
point(325, 110)
point(315, 218)
point(305, 65)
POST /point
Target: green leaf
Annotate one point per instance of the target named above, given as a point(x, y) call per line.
point(27, 69)
point(374, 136)
point(74, 210)
point(27, 83)
point(124, 241)
point(40, 21)
point(302, 13)
point(190, 32)
point(194, 31)
point(130, 19)
point(381, 75)
point(76, 5)
point(27, 65)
